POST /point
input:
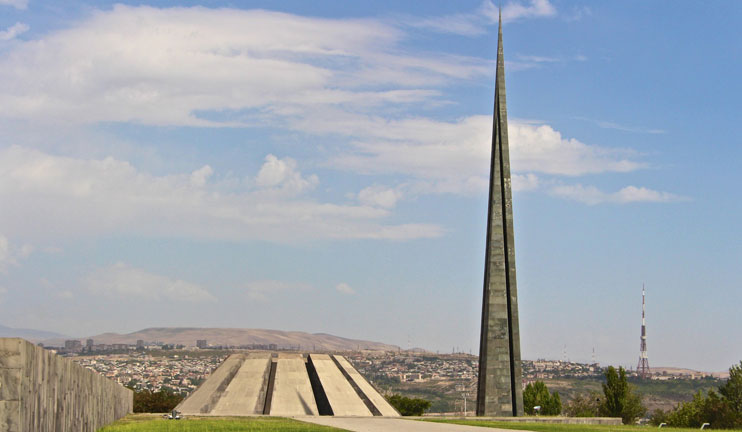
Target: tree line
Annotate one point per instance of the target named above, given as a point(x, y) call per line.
point(722, 408)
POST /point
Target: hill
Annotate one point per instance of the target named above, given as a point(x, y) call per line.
point(235, 337)
point(29, 334)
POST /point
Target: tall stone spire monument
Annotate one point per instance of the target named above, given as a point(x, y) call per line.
point(499, 391)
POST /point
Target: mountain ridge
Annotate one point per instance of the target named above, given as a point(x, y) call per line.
point(32, 335)
point(234, 337)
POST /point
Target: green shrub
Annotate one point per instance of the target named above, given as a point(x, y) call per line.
point(162, 401)
point(408, 406)
point(536, 394)
point(583, 405)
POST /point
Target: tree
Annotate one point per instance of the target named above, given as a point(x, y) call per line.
point(554, 405)
point(658, 417)
point(409, 406)
point(619, 399)
point(583, 405)
point(162, 401)
point(536, 394)
point(704, 409)
point(723, 410)
point(732, 389)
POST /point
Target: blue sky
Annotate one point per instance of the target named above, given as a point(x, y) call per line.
point(322, 166)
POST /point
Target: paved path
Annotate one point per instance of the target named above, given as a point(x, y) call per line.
point(385, 424)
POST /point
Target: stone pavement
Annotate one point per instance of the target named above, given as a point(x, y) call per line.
point(387, 424)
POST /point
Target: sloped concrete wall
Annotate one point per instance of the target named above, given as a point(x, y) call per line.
point(207, 395)
point(340, 393)
point(292, 390)
point(245, 394)
point(381, 405)
point(43, 392)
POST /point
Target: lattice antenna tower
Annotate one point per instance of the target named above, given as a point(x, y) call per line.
point(642, 368)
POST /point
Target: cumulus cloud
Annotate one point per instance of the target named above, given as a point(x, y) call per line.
point(263, 290)
point(629, 194)
point(521, 10)
point(50, 197)
point(199, 176)
point(18, 4)
point(344, 288)
point(222, 67)
point(379, 196)
point(283, 174)
point(525, 182)
point(123, 281)
point(453, 157)
point(13, 31)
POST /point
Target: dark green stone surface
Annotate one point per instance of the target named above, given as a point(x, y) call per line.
point(499, 390)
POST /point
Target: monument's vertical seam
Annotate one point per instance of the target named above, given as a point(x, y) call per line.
point(506, 242)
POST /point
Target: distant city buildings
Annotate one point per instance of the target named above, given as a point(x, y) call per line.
point(201, 344)
point(72, 345)
point(156, 367)
point(143, 372)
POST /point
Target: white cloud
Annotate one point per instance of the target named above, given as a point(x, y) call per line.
point(525, 182)
point(5, 257)
point(466, 24)
point(283, 174)
point(123, 281)
point(453, 157)
point(11, 255)
point(516, 10)
point(629, 194)
point(49, 197)
point(344, 288)
point(209, 67)
point(263, 290)
point(199, 176)
point(475, 23)
point(3, 291)
point(379, 196)
point(540, 148)
point(18, 4)
point(13, 31)
point(612, 125)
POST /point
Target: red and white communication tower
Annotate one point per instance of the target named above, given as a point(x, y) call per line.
point(643, 368)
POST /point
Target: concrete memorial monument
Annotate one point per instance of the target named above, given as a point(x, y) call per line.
point(499, 391)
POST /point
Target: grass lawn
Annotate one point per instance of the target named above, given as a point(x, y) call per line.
point(151, 423)
point(546, 427)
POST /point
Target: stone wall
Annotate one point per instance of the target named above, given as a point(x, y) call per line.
point(43, 392)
